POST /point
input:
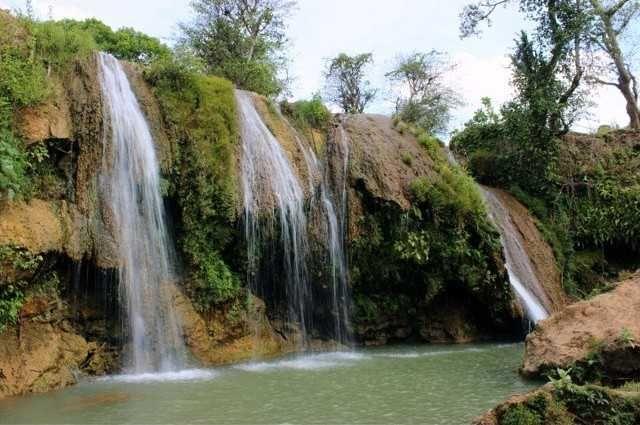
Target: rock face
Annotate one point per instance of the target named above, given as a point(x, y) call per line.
point(379, 156)
point(217, 338)
point(609, 322)
point(45, 351)
point(539, 252)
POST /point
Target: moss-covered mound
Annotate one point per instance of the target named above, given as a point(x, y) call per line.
point(200, 115)
point(564, 403)
point(425, 261)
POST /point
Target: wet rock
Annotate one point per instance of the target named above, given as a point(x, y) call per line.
point(214, 339)
point(609, 323)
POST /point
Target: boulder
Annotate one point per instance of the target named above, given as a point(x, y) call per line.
point(609, 323)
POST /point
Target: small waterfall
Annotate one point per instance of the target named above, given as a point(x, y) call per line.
point(521, 273)
point(130, 182)
point(271, 187)
point(334, 229)
point(274, 200)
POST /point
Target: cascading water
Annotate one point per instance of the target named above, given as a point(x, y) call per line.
point(521, 273)
point(274, 199)
point(271, 187)
point(130, 182)
point(333, 228)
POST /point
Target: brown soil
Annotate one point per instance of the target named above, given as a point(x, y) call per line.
point(50, 120)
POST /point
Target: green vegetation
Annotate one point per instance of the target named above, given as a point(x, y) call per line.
point(200, 112)
point(429, 100)
point(445, 242)
point(308, 113)
point(16, 267)
point(124, 43)
point(346, 85)
point(241, 41)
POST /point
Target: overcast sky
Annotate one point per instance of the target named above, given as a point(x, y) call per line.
point(320, 29)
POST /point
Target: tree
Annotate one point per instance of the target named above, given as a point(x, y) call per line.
point(551, 58)
point(424, 99)
point(547, 75)
point(242, 40)
point(612, 18)
point(345, 83)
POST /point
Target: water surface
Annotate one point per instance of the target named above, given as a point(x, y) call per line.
point(409, 385)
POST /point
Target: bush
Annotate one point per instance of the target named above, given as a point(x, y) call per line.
point(308, 113)
point(22, 79)
point(11, 299)
point(125, 43)
point(520, 415)
point(59, 44)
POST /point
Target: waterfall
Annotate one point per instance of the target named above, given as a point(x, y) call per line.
point(130, 183)
point(519, 268)
point(274, 201)
point(271, 187)
point(334, 229)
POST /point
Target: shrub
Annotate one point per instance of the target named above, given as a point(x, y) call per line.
point(59, 44)
point(308, 113)
point(125, 43)
point(520, 415)
point(11, 299)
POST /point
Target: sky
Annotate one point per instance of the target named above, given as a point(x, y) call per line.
point(320, 29)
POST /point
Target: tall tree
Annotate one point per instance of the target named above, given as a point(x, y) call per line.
point(424, 98)
point(242, 40)
point(552, 58)
point(345, 82)
point(612, 18)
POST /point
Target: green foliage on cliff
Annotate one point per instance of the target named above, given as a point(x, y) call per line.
point(13, 159)
point(586, 190)
point(444, 242)
point(243, 42)
point(124, 43)
point(200, 111)
point(16, 266)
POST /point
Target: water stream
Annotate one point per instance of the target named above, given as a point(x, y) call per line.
point(130, 184)
point(522, 276)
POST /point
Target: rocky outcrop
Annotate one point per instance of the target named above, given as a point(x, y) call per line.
point(218, 337)
point(608, 323)
point(45, 351)
point(382, 161)
point(567, 404)
point(50, 120)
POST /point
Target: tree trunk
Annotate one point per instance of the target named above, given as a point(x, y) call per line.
point(625, 79)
